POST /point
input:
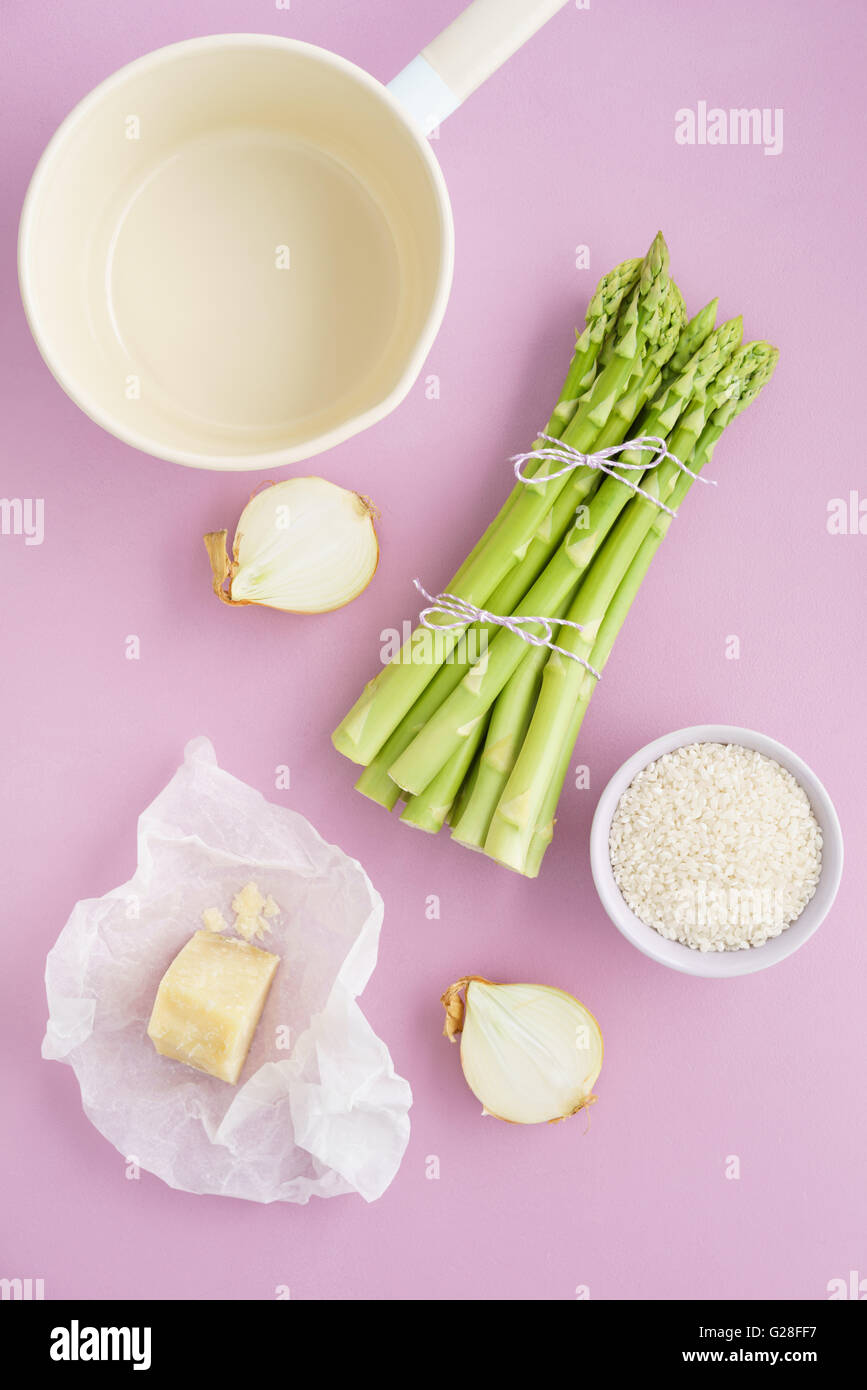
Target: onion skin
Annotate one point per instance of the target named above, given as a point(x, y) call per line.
point(225, 569)
point(455, 1003)
point(455, 1006)
point(222, 567)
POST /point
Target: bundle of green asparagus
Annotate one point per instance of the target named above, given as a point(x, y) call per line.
point(473, 724)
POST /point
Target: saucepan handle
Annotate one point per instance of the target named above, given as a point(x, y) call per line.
point(460, 59)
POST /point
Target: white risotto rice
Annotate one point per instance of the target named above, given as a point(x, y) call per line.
point(716, 846)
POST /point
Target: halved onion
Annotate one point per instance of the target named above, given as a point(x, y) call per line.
point(530, 1053)
point(304, 545)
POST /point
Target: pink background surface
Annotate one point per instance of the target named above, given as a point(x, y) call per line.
point(572, 143)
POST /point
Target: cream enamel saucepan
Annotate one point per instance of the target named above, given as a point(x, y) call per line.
point(236, 252)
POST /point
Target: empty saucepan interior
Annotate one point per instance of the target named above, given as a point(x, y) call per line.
point(236, 251)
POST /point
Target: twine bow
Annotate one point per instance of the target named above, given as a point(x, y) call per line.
point(461, 611)
point(571, 458)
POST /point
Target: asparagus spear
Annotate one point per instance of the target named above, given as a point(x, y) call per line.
point(523, 804)
point(428, 810)
point(465, 791)
point(510, 720)
point(694, 336)
point(441, 736)
point(392, 693)
point(615, 616)
point(601, 314)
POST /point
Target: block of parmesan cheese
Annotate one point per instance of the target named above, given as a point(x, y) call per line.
point(209, 1002)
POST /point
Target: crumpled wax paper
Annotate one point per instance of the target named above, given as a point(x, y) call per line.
point(323, 1116)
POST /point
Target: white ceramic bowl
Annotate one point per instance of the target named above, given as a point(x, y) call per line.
point(717, 964)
